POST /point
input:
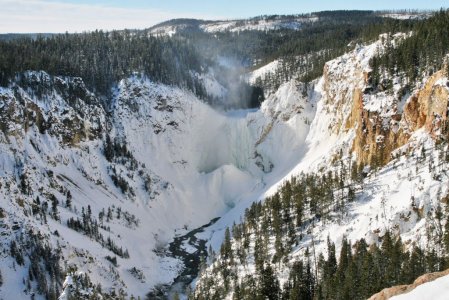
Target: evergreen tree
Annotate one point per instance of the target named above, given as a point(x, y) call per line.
point(226, 247)
point(269, 285)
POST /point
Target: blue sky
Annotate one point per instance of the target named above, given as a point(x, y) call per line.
point(82, 15)
point(247, 8)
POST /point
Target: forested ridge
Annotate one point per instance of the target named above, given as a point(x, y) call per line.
point(422, 54)
point(103, 58)
point(303, 52)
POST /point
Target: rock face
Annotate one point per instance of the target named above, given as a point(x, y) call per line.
point(63, 108)
point(379, 133)
point(428, 107)
point(383, 120)
point(402, 289)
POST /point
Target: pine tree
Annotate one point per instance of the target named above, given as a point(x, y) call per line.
point(68, 201)
point(54, 207)
point(269, 285)
point(226, 247)
point(329, 271)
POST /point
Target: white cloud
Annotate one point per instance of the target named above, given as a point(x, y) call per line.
point(25, 16)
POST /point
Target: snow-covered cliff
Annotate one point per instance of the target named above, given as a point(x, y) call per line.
point(390, 137)
point(153, 163)
point(103, 187)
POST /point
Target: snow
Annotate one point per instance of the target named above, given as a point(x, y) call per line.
point(189, 248)
point(263, 71)
point(444, 82)
point(223, 172)
point(261, 25)
point(291, 114)
point(168, 30)
point(201, 162)
point(385, 202)
point(326, 138)
point(407, 16)
point(213, 87)
point(435, 290)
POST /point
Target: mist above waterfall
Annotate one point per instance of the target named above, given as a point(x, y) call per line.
point(230, 73)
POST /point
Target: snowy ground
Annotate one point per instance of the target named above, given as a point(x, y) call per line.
point(263, 71)
point(384, 202)
point(200, 163)
point(435, 290)
point(262, 24)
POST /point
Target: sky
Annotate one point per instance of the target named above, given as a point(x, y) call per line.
point(52, 16)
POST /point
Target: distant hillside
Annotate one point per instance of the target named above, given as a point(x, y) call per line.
point(14, 36)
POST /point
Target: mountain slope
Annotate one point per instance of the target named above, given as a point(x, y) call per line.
point(113, 185)
point(97, 181)
point(375, 168)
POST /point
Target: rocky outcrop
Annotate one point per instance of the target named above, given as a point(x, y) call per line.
point(376, 135)
point(63, 108)
point(402, 289)
point(380, 132)
point(383, 118)
point(428, 107)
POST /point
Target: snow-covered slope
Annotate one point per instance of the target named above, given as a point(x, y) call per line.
point(332, 98)
point(262, 24)
point(264, 71)
point(354, 126)
point(437, 289)
point(406, 16)
point(258, 24)
point(157, 162)
point(103, 189)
